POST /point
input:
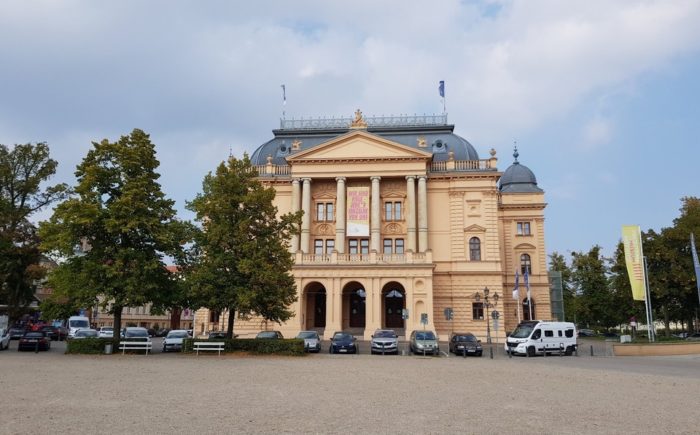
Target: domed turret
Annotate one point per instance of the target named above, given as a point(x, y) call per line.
point(518, 178)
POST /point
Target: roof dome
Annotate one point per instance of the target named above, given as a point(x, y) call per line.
point(518, 178)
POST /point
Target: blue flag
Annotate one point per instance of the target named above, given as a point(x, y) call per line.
point(441, 88)
point(696, 263)
point(527, 285)
point(516, 290)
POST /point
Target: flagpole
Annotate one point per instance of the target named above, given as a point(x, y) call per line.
point(647, 303)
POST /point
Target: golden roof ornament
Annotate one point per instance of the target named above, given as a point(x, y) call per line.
point(359, 121)
point(296, 144)
point(421, 142)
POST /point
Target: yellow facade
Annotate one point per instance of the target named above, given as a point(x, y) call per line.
point(415, 256)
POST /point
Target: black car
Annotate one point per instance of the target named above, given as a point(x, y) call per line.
point(34, 340)
point(343, 342)
point(16, 332)
point(56, 333)
point(269, 334)
point(465, 343)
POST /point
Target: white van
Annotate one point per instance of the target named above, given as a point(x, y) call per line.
point(537, 337)
point(77, 322)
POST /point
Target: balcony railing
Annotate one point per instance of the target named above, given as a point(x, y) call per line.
point(271, 170)
point(363, 259)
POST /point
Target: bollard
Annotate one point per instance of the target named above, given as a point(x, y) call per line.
point(576, 350)
point(491, 352)
point(510, 354)
point(36, 347)
point(560, 351)
point(591, 350)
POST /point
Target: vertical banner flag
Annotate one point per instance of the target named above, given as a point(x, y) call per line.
point(358, 211)
point(441, 88)
point(696, 263)
point(516, 290)
point(527, 285)
point(284, 95)
point(632, 241)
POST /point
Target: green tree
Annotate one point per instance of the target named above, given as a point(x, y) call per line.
point(557, 262)
point(590, 278)
point(22, 172)
point(241, 260)
point(114, 234)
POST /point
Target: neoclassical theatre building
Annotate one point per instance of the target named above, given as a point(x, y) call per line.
point(404, 227)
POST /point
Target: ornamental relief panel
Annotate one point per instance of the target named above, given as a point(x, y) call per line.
point(323, 189)
point(393, 228)
point(393, 189)
point(326, 230)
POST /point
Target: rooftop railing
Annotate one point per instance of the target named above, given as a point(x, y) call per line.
point(372, 121)
point(371, 258)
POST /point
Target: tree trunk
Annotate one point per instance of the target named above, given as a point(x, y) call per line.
point(117, 325)
point(229, 330)
point(175, 317)
point(667, 322)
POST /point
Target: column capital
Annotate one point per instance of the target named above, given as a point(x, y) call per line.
point(422, 177)
point(410, 177)
point(375, 178)
point(295, 181)
point(306, 179)
point(340, 179)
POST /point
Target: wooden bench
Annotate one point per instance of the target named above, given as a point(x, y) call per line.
point(135, 345)
point(209, 345)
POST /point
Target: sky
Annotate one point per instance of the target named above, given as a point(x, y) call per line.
point(602, 97)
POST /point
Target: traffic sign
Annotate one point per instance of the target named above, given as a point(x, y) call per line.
point(424, 318)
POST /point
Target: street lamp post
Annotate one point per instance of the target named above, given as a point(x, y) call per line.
point(487, 313)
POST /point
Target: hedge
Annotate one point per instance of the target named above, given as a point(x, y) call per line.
point(261, 346)
point(87, 345)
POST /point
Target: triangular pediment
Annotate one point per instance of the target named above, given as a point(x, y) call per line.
point(525, 246)
point(359, 145)
point(475, 229)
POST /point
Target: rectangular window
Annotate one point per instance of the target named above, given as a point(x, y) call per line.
point(548, 333)
point(387, 246)
point(329, 212)
point(364, 246)
point(352, 246)
point(478, 311)
point(569, 333)
point(320, 211)
point(213, 316)
point(324, 212)
point(523, 228)
point(330, 245)
point(392, 211)
point(399, 246)
point(318, 246)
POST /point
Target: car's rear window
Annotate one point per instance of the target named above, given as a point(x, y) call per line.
point(427, 335)
point(177, 334)
point(307, 335)
point(136, 333)
point(385, 334)
point(34, 335)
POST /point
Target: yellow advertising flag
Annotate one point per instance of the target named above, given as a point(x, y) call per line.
point(632, 240)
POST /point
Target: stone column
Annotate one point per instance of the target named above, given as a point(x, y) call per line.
point(306, 219)
point(422, 214)
point(295, 208)
point(340, 215)
point(375, 217)
point(410, 211)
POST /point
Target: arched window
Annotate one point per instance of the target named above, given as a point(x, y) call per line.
point(475, 249)
point(525, 264)
point(529, 307)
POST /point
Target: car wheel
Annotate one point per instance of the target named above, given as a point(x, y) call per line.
point(531, 351)
point(569, 351)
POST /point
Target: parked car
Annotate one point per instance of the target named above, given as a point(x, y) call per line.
point(465, 343)
point(384, 341)
point(694, 337)
point(269, 334)
point(16, 332)
point(343, 342)
point(106, 332)
point(173, 341)
point(586, 333)
point(424, 342)
point(135, 333)
point(4, 338)
point(681, 335)
point(32, 340)
point(611, 335)
point(56, 333)
point(85, 333)
point(162, 332)
point(312, 342)
point(218, 334)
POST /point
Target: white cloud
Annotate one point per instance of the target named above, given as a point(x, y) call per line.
point(596, 132)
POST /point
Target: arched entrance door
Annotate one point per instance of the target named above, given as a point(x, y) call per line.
point(393, 303)
point(315, 306)
point(354, 305)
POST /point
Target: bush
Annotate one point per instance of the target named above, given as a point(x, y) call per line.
point(292, 346)
point(87, 345)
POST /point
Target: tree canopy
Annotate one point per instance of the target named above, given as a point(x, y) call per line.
point(114, 233)
point(23, 169)
point(240, 261)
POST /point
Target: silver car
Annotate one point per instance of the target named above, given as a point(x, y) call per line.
point(384, 341)
point(173, 341)
point(312, 342)
point(424, 342)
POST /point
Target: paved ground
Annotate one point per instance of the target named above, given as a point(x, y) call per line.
point(174, 393)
